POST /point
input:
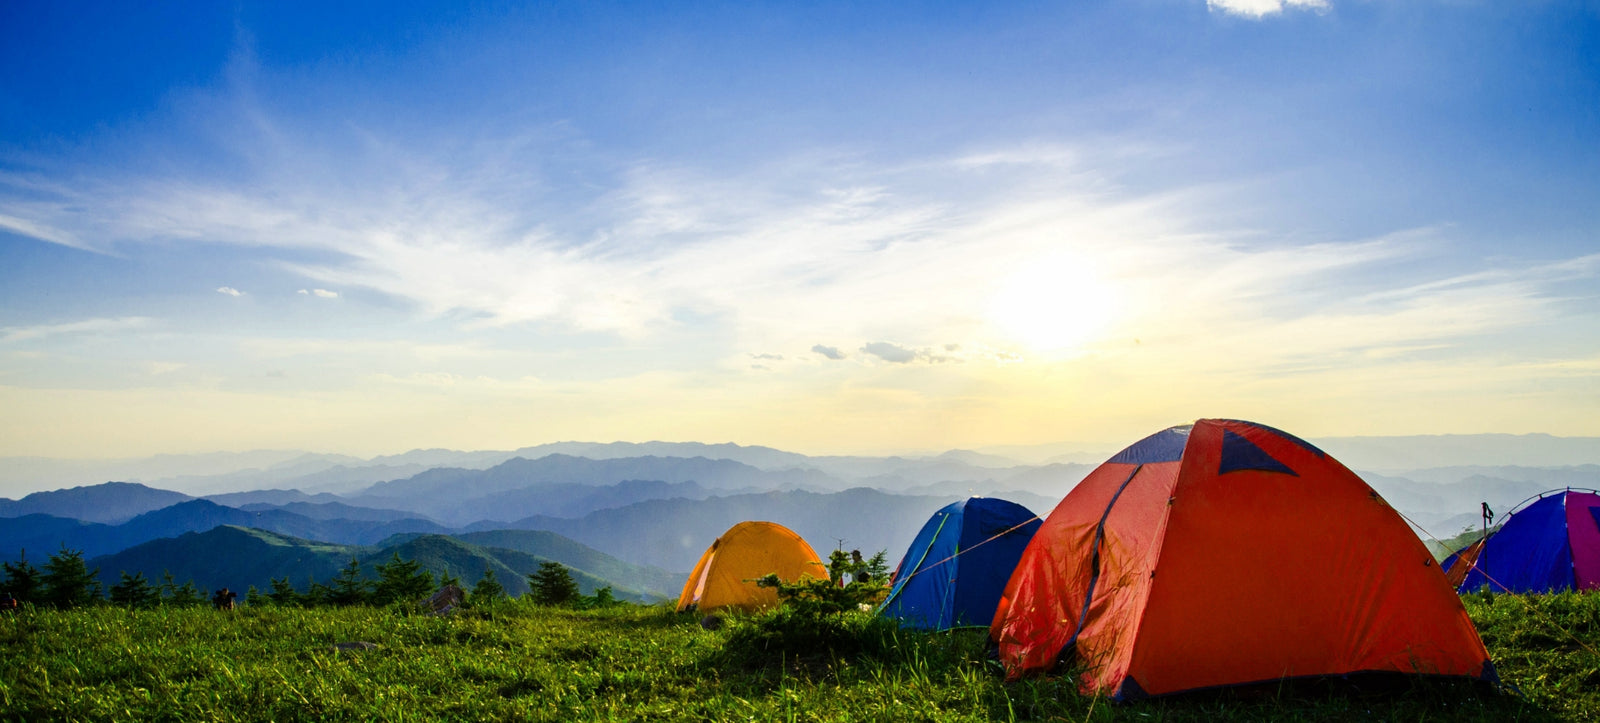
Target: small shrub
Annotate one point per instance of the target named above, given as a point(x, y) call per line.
point(818, 619)
point(793, 636)
point(601, 599)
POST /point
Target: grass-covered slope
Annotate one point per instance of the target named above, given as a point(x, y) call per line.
point(231, 557)
point(519, 662)
point(239, 557)
point(576, 555)
point(467, 561)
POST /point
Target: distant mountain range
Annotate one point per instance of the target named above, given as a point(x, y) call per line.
point(217, 473)
point(672, 534)
point(660, 504)
point(43, 535)
point(566, 485)
point(1401, 454)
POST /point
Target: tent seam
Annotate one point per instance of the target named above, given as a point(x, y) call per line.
point(1094, 578)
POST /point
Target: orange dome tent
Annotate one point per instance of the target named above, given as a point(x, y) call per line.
point(1224, 553)
point(724, 577)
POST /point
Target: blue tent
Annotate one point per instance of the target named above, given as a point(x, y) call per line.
point(959, 564)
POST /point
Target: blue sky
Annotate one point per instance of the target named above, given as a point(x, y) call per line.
point(830, 228)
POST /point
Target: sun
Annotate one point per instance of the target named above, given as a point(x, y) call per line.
point(1056, 302)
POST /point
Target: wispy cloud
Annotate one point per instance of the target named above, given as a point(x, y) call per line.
point(84, 327)
point(890, 352)
point(157, 368)
point(776, 256)
point(828, 351)
point(34, 229)
point(1258, 9)
point(229, 291)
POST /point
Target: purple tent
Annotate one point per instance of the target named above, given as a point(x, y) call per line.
point(1548, 544)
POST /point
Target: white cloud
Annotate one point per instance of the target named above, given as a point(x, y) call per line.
point(1261, 8)
point(319, 293)
point(229, 291)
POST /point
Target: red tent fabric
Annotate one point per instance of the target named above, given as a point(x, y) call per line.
point(1224, 553)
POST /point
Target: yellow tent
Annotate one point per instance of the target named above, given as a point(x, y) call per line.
point(724, 577)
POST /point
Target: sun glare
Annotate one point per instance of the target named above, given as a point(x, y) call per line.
point(1057, 302)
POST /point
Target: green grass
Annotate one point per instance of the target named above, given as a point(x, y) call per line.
point(520, 662)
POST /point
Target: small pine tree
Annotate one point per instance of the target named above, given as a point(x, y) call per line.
point(553, 585)
point(877, 569)
point(283, 593)
point(874, 570)
point(68, 582)
point(168, 586)
point(254, 598)
point(401, 581)
point(317, 594)
point(22, 579)
point(350, 587)
point(135, 592)
point(488, 589)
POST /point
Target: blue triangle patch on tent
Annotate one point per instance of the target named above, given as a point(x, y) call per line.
point(1309, 447)
point(1164, 446)
point(1240, 454)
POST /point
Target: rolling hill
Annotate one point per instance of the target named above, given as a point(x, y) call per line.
point(239, 557)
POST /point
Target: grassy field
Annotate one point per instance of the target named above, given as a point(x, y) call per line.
point(520, 662)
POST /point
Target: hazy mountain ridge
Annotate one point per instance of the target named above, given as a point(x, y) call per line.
point(107, 503)
point(1399, 454)
point(1582, 475)
point(521, 472)
point(562, 485)
point(213, 473)
point(314, 475)
point(672, 534)
point(335, 511)
point(273, 497)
